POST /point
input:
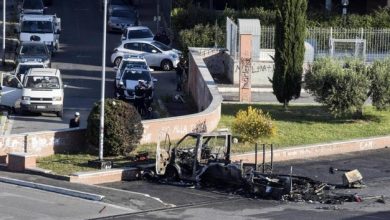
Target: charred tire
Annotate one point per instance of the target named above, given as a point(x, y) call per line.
point(171, 174)
point(117, 61)
point(166, 65)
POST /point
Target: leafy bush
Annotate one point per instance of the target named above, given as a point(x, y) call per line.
point(122, 127)
point(187, 18)
point(342, 86)
point(266, 17)
point(253, 124)
point(380, 90)
point(201, 36)
point(378, 19)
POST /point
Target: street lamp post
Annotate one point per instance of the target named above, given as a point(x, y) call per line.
point(4, 11)
point(157, 18)
point(100, 163)
point(101, 128)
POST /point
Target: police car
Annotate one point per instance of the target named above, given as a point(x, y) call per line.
point(26, 64)
point(130, 78)
point(130, 61)
point(33, 52)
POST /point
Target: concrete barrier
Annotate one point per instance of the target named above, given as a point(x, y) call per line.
point(317, 150)
point(43, 143)
point(104, 176)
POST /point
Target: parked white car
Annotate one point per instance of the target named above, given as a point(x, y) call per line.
point(156, 54)
point(137, 33)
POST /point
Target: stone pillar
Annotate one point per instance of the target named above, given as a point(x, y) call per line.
point(245, 67)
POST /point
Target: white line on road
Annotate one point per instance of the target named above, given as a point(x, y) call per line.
point(77, 87)
point(138, 193)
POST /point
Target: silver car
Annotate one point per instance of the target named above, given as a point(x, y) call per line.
point(155, 53)
point(120, 19)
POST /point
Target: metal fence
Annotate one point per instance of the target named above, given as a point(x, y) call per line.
point(368, 44)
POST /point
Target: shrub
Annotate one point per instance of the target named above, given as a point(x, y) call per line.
point(380, 89)
point(342, 86)
point(187, 18)
point(253, 124)
point(201, 36)
point(122, 127)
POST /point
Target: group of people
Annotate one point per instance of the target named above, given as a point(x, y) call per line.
point(143, 98)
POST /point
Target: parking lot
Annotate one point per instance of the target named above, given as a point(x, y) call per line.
point(80, 59)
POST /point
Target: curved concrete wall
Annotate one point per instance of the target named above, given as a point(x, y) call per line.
point(205, 93)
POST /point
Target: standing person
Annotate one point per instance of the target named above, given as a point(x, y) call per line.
point(75, 122)
point(148, 100)
point(139, 96)
point(179, 74)
point(157, 37)
point(164, 38)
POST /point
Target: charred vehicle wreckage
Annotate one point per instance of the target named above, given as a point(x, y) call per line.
point(203, 160)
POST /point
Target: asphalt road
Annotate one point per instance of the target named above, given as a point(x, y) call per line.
point(206, 204)
point(26, 203)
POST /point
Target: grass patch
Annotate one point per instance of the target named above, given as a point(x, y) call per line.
point(310, 124)
point(66, 164)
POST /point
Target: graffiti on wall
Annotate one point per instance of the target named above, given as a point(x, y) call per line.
point(245, 74)
point(200, 127)
point(258, 67)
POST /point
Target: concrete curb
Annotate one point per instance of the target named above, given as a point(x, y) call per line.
point(318, 150)
point(55, 189)
point(253, 89)
point(3, 121)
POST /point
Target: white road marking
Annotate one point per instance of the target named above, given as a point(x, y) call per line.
point(137, 193)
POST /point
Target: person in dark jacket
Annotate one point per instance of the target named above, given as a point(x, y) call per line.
point(180, 69)
point(162, 37)
point(148, 100)
point(139, 97)
point(75, 122)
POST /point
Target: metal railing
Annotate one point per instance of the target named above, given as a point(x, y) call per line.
point(376, 42)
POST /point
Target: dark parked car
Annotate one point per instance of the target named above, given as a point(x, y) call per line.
point(120, 19)
point(33, 51)
point(32, 7)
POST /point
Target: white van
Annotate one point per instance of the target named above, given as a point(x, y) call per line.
point(43, 91)
point(40, 90)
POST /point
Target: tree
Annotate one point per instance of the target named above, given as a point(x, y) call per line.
point(341, 85)
point(380, 89)
point(122, 127)
point(253, 124)
point(290, 34)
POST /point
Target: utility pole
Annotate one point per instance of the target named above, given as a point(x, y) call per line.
point(101, 128)
point(4, 21)
point(158, 17)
